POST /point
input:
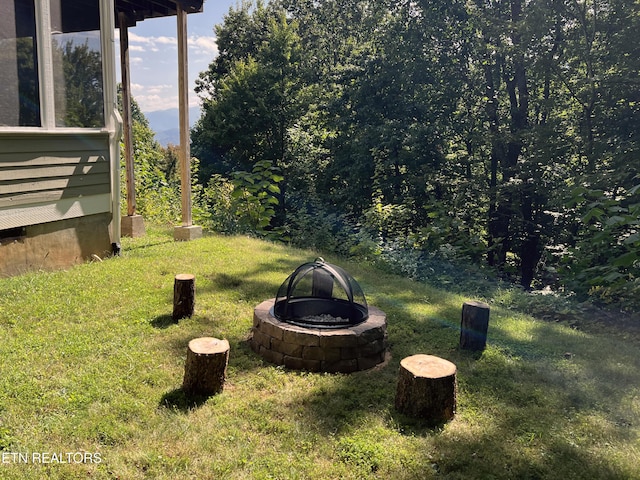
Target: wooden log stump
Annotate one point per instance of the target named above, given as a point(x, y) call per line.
point(427, 388)
point(474, 326)
point(184, 296)
point(206, 366)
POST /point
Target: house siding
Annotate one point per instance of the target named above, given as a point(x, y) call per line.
point(52, 177)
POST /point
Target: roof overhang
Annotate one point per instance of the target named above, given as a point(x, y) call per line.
point(139, 10)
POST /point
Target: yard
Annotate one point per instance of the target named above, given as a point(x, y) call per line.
point(92, 366)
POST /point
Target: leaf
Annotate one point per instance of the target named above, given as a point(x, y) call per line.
point(612, 277)
point(633, 238)
point(626, 260)
point(593, 213)
point(237, 193)
point(615, 220)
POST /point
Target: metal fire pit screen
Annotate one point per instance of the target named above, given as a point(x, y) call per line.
point(320, 295)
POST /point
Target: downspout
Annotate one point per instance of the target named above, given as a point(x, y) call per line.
point(113, 120)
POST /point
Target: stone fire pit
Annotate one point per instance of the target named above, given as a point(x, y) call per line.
point(350, 348)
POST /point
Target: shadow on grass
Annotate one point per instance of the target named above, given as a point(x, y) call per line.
point(249, 285)
point(163, 321)
point(526, 408)
point(141, 246)
point(179, 400)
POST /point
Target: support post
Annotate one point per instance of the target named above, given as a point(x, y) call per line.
point(187, 231)
point(474, 326)
point(132, 225)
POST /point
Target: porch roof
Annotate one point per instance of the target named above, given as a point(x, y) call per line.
point(139, 10)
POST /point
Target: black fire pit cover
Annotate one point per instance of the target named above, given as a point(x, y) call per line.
point(320, 295)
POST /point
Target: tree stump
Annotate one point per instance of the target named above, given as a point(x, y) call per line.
point(184, 295)
point(474, 326)
point(206, 366)
point(427, 388)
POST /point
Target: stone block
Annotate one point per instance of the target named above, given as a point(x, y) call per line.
point(341, 366)
point(261, 339)
point(285, 348)
point(271, 328)
point(332, 354)
point(296, 363)
point(304, 337)
point(372, 348)
point(132, 226)
point(348, 353)
point(187, 233)
point(313, 353)
point(271, 356)
point(339, 338)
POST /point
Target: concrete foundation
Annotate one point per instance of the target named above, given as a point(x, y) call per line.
point(54, 245)
point(132, 226)
point(185, 234)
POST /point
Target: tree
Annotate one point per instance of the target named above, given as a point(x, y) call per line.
point(253, 104)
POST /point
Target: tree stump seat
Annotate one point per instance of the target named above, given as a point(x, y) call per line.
point(474, 326)
point(184, 295)
point(427, 388)
point(206, 366)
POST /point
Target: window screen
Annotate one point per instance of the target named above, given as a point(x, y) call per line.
point(19, 98)
point(77, 63)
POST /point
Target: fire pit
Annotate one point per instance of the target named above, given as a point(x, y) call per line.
point(320, 321)
point(318, 294)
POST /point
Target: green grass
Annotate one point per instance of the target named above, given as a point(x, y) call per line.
point(91, 362)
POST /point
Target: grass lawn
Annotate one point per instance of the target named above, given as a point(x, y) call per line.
point(91, 369)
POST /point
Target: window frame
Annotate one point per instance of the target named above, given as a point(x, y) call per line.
point(45, 68)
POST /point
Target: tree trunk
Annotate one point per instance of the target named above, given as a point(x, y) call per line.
point(184, 295)
point(206, 366)
point(427, 388)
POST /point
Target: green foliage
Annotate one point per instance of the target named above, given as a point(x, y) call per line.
point(458, 129)
point(255, 197)
point(157, 177)
point(252, 100)
point(605, 261)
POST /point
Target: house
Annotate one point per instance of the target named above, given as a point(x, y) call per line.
point(60, 128)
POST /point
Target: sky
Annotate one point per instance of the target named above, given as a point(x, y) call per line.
point(153, 55)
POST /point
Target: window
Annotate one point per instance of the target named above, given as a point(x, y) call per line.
point(19, 96)
point(77, 63)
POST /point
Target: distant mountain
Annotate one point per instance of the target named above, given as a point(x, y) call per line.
point(165, 124)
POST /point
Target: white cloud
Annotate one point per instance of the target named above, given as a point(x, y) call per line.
point(203, 45)
point(164, 40)
point(151, 103)
point(139, 38)
point(153, 43)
